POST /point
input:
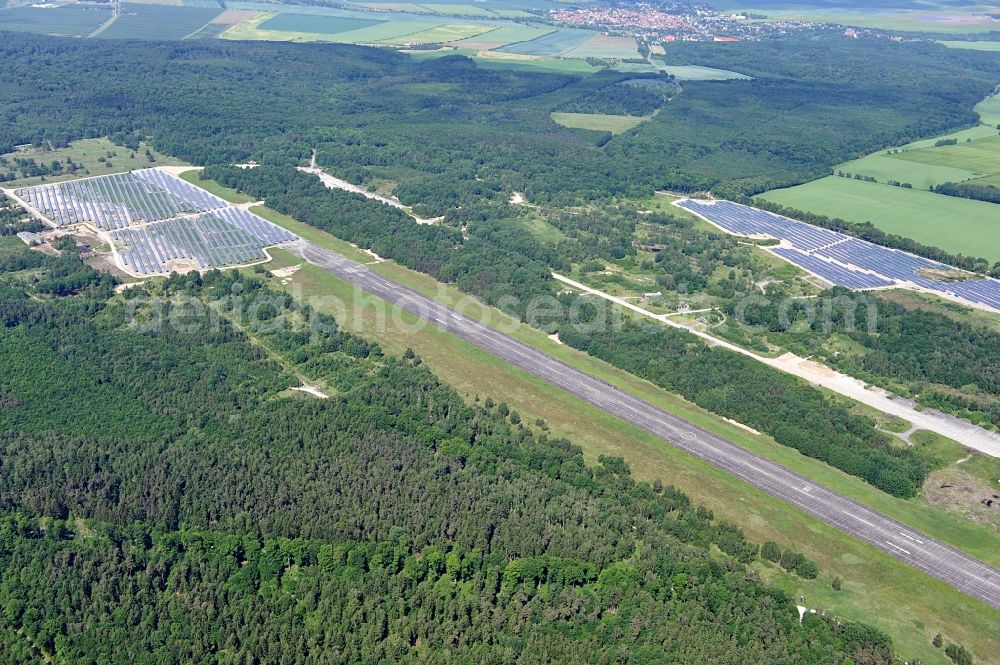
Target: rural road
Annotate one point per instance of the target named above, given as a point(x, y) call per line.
point(937, 559)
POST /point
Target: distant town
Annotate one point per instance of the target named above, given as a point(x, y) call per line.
point(681, 21)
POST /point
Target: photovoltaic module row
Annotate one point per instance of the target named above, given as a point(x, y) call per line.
point(212, 240)
point(841, 259)
point(120, 200)
point(831, 272)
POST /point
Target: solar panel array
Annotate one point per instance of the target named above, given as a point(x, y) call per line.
point(121, 200)
point(830, 271)
point(157, 219)
point(227, 237)
point(841, 259)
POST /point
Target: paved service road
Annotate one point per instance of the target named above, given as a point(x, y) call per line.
point(937, 559)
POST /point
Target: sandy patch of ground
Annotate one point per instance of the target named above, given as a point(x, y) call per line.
point(311, 390)
point(286, 272)
point(181, 266)
point(336, 183)
point(741, 425)
point(504, 55)
point(555, 338)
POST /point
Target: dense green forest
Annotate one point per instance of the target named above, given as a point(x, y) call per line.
point(165, 498)
point(451, 132)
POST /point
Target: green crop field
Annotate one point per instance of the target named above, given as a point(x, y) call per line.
point(374, 33)
point(457, 10)
point(930, 16)
point(616, 124)
point(437, 35)
point(981, 156)
point(556, 65)
point(329, 25)
point(605, 47)
point(503, 35)
point(554, 43)
point(158, 22)
point(902, 168)
point(386, 31)
point(76, 21)
point(957, 225)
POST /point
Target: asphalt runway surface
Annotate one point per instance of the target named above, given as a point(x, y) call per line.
point(933, 557)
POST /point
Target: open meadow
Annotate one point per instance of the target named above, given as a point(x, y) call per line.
point(598, 122)
point(91, 157)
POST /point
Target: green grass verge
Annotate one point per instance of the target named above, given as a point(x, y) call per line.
point(194, 177)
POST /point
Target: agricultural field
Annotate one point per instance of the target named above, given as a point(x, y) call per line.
point(486, 32)
point(961, 226)
point(598, 122)
point(503, 35)
point(80, 158)
point(455, 10)
point(158, 22)
point(372, 33)
point(605, 47)
point(554, 43)
point(934, 16)
point(437, 35)
point(501, 60)
point(74, 20)
point(329, 25)
point(989, 111)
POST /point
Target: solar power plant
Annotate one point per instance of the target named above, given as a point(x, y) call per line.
point(121, 200)
point(841, 259)
point(225, 237)
point(744, 220)
point(832, 272)
point(157, 220)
